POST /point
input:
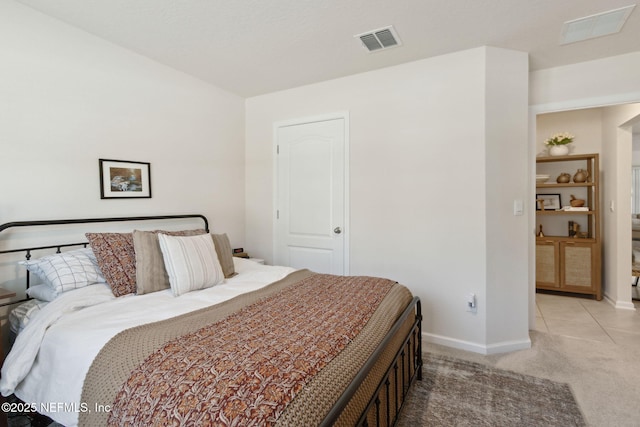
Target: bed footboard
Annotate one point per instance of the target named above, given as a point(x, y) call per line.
point(388, 398)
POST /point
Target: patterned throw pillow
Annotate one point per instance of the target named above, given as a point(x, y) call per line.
point(191, 262)
point(116, 259)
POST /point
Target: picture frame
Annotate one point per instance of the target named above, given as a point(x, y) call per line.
point(548, 202)
point(123, 179)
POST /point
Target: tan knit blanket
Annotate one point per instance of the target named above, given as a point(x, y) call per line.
point(243, 362)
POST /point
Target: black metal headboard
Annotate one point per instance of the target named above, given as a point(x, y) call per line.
point(58, 247)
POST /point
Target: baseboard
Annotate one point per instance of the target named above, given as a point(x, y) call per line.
point(623, 305)
point(503, 347)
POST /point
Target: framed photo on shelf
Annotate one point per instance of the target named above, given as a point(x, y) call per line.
point(121, 179)
point(548, 202)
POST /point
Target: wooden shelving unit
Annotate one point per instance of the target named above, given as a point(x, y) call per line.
point(570, 263)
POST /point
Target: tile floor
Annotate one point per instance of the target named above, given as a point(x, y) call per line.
point(587, 319)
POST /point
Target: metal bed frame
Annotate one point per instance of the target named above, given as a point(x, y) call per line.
point(389, 396)
point(58, 248)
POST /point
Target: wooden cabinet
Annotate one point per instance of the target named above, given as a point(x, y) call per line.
point(568, 251)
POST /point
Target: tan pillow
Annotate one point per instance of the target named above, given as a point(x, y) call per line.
point(225, 254)
point(151, 275)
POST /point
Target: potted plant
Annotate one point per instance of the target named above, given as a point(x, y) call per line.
point(558, 144)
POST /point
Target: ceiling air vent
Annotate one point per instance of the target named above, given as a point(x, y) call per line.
point(380, 39)
point(589, 27)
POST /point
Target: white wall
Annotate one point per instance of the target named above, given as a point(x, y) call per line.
point(605, 82)
point(506, 181)
point(616, 198)
point(68, 98)
point(423, 140)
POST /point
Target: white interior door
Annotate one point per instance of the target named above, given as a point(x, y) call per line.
point(311, 228)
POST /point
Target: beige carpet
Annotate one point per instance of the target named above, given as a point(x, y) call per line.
point(455, 392)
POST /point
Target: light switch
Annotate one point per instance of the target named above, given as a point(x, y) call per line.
point(518, 207)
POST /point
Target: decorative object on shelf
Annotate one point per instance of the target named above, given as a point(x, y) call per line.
point(581, 176)
point(540, 233)
point(121, 179)
point(563, 178)
point(575, 209)
point(558, 143)
point(542, 178)
point(558, 150)
point(562, 138)
point(574, 229)
point(576, 203)
point(548, 202)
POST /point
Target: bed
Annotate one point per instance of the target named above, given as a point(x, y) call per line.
point(262, 345)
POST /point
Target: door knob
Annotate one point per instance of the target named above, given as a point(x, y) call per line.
point(337, 230)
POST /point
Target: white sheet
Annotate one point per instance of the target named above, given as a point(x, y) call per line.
point(62, 356)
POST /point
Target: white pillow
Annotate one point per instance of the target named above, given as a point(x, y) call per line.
point(42, 292)
point(191, 262)
point(68, 270)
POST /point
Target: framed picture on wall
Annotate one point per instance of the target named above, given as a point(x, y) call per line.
point(121, 179)
point(548, 202)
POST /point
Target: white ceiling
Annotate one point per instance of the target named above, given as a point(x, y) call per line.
point(252, 47)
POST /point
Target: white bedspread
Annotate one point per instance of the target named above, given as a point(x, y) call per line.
point(51, 357)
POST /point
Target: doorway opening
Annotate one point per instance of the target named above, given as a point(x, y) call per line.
point(609, 131)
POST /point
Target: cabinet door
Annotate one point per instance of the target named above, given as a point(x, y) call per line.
point(577, 265)
point(547, 271)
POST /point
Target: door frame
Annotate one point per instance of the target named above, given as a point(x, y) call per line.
point(300, 121)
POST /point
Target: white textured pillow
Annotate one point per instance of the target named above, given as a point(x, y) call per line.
point(191, 262)
point(68, 270)
point(42, 292)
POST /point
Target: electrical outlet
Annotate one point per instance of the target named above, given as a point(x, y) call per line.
point(471, 302)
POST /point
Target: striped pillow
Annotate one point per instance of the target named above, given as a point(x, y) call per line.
point(191, 262)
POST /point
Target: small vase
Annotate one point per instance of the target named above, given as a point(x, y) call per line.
point(558, 150)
